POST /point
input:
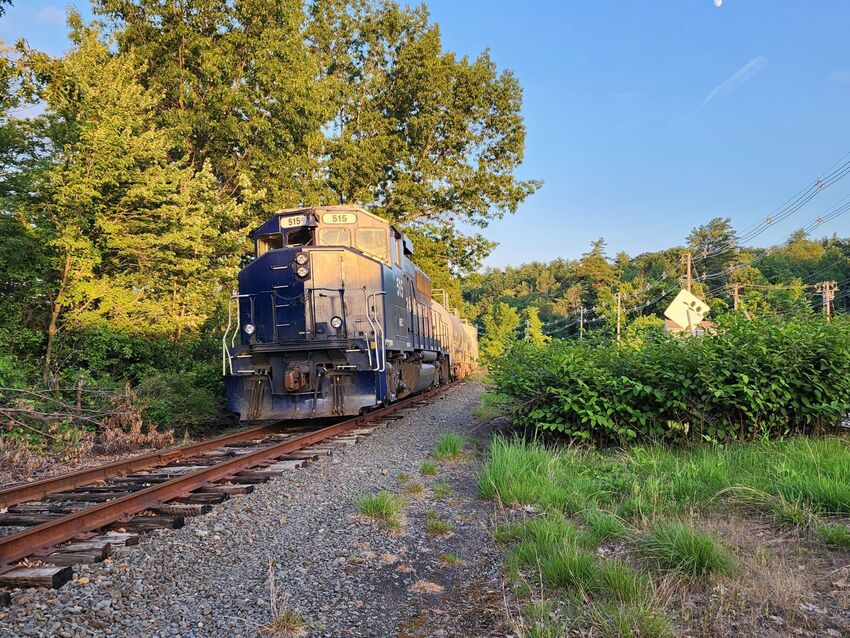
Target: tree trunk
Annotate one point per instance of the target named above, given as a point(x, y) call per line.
point(54, 316)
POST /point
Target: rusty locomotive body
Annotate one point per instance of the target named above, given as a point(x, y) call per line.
point(333, 318)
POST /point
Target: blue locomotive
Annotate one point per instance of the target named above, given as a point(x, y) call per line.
point(332, 318)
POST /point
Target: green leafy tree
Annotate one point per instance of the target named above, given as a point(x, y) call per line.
point(534, 326)
point(338, 101)
point(136, 241)
point(500, 327)
point(713, 244)
point(239, 84)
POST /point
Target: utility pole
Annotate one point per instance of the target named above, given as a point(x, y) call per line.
point(827, 290)
point(686, 259)
point(619, 312)
point(581, 322)
point(736, 298)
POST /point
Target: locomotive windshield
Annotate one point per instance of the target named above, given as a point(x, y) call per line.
point(334, 237)
point(373, 241)
point(274, 241)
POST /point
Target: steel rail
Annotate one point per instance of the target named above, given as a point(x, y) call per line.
point(41, 537)
point(31, 491)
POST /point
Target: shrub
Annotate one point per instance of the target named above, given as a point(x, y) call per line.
point(752, 379)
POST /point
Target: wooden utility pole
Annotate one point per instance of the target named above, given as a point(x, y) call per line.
point(686, 259)
point(827, 290)
point(619, 312)
point(736, 297)
point(581, 322)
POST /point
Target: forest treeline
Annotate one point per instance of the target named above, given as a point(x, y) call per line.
point(134, 166)
point(558, 298)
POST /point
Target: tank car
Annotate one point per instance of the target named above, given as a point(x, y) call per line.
point(332, 318)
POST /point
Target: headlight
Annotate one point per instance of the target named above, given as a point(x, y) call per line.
point(301, 258)
point(302, 271)
point(336, 322)
point(249, 328)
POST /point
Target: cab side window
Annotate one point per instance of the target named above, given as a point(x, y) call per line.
point(300, 237)
point(372, 241)
point(269, 242)
point(334, 237)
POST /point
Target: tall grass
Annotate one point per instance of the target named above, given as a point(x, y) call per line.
point(645, 482)
point(677, 547)
point(636, 501)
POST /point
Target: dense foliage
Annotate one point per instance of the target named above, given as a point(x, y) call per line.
point(780, 280)
point(759, 378)
point(134, 166)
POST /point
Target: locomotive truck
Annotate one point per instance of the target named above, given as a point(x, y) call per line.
point(332, 318)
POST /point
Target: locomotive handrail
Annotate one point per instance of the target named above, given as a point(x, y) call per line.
point(226, 359)
point(374, 330)
point(382, 359)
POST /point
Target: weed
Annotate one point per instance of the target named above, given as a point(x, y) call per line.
point(428, 468)
point(677, 547)
point(436, 527)
point(403, 478)
point(285, 622)
point(449, 447)
point(414, 489)
point(442, 490)
point(382, 507)
point(490, 407)
point(835, 534)
point(449, 560)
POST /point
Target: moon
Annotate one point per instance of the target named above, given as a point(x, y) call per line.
point(718, 3)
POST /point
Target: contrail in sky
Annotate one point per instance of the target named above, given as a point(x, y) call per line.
point(736, 79)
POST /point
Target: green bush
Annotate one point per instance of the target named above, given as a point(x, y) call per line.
point(178, 400)
point(751, 379)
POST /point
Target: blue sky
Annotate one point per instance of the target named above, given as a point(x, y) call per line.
point(644, 118)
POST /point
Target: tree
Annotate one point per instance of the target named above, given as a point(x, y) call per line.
point(2, 8)
point(135, 230)
point(534, 327)
point(500, 326)
point(596, 272)
point(346, 101)
point(239, 85)
point(713, 244)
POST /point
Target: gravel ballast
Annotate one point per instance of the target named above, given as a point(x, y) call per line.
point(338, 570)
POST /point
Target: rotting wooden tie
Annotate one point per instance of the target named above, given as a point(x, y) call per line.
point(230, 490)
point(53, 576)
point(183, 509)
point(147, 523)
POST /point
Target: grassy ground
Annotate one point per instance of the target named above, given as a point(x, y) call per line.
point(653, 541)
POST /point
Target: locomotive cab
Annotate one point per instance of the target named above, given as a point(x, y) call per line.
point(332, 318)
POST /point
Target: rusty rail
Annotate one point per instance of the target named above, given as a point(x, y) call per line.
point(41, 537)
point(31, 491)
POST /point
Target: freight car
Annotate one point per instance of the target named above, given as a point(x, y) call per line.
point(332, 318)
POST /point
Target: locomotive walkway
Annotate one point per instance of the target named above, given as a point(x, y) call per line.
point(341, 574)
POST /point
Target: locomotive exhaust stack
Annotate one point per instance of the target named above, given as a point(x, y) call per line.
point(333, 318)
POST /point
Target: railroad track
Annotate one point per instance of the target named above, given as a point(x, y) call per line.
point(79, 517)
